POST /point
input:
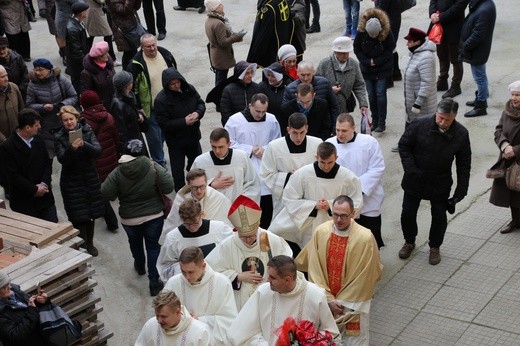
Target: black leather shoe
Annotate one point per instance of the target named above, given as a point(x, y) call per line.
point(442, 85)
point(161, 36)
point(313, 28)
point(179, 8)
point(452, 92)
point(202, 9)
point(507, 228)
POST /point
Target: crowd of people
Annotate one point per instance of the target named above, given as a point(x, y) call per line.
point(291, 183)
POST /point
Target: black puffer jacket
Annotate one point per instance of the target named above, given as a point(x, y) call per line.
point(171, 107)
point(236, 95)
point(125, 111)
point(77, 47)
point(93, 77)
point(427, 156)
point(19, 326)
point(379, 49)
point(79, 181)
point(477, 33)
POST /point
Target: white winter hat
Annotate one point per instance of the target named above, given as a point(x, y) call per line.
point(515, 86)
point(212, 5)
point(342, 44)
point(286, 51)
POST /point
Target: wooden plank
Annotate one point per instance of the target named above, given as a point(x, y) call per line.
point(52, 263)
point(27, 227)
point(34, 258)
point(90, 314)
point(73, 243)
point(9, 214)
point(81, 288)
point(52, 234)
point(81, 304)
point(63, 282)
point(25, 249)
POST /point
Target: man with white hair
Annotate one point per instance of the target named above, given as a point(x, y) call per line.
point(344, 74)
point(322, 88)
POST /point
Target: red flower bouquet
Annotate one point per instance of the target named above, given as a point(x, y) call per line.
point(303, 333)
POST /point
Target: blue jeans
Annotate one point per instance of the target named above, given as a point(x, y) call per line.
point(480, 78)
point(155, 139)
point(351, 8)
point(150, 232)
point(376, 89)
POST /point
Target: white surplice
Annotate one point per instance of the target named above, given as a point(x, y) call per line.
point(278, 162)
point(189, 332)
point(300, 196)
point(176, 241)
point(364, 158)
point(266, 311)
point(240, 168)
point(211, 300)
point(232, 256)
point(214, 205)
point(246, 135)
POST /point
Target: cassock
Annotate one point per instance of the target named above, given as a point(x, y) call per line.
point(299, 217)
point(232, 256)
point(189, 332)
point(362, 155)
point(273, 28)
point(281, 158)
point(246, 133)
point(210, 299)
point(355, 273)
point(236, 164)
point(266, 311)
point(210, 234)
point(214, 205)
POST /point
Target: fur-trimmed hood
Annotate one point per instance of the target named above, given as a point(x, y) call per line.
point(54, 72)
point(383, 18)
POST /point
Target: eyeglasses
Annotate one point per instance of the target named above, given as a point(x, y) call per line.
point(200, 187)
point(342, 217)
point(193, 224)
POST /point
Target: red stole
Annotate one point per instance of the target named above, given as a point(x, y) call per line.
point(335, 261)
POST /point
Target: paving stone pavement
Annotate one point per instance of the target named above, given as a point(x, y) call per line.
point(470, 298)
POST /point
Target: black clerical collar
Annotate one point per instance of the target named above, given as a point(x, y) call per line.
point(322, 174)
point(293, 148)
point(203, 229)
point(247, 114)
point(351, 140)
point(221, 162)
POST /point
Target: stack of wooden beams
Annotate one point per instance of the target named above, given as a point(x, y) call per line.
point(62, 271)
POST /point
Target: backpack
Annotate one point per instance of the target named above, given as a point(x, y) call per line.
point(57, 328)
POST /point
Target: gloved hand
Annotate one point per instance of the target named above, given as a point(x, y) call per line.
point(416, 109)
point(450, 204)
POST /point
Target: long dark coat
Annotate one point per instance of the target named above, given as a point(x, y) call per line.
point(477, 32)
point(508, 129)
point(427, 156)
point(79, 182)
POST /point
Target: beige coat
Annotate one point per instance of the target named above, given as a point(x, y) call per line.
point(96, 22)
point(221, 43)
point(13, 16)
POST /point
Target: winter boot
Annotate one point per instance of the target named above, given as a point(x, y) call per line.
point(91, 249)
point(381, 126)
point(479, 110)
point(453, 91)
point(442, 84)
point(472, 102)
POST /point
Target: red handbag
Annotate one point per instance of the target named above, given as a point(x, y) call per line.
point(435, 34)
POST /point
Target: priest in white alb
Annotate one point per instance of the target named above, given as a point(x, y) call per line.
point(214, 204)
point(362, 155)
point(285, 155)
point(251, 130)
point(342, 258)
point(243, 257)
point(194, 231)
point(229, 171)
point(286, 294)
point(206, 294)
point(308, 196)
point(173, 325)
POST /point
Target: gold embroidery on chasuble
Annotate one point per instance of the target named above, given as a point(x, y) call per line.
point(335, 261)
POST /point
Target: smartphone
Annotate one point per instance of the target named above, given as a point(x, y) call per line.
point(38, 287)
point(75, 134)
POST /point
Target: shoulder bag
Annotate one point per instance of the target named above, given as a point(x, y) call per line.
point(513, 177)
point(167, 201)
